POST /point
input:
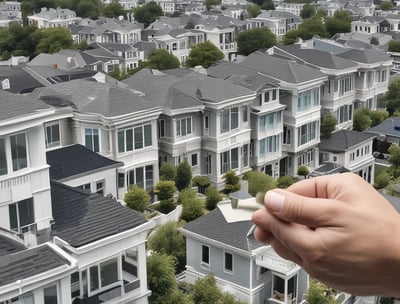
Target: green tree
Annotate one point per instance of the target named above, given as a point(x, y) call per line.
point(211, 3)
point(259, 182)
point(165, 189)
point(89, 8)
point(268, 5)
point(308, 11)
point(386, 5)
point(382, 180)
point(213, 196)
point(339, 23)
point(318, 293)
point(18, 40)
point(168, 240)
point(183, 175)
point(394, 46)
point(204, 54)
point(232, 182)
point(52, 40)
point(291, 37)
point(361, 120)
point(161, 59)
point(328, 125)
point(378, 117)
point(392, 97)
point(113, 10)
point(206, 290)
point(192, 206)
point(303, 171)
point(167, 171)
point(255, 39)
point(137, 198)
point(311, 27)
point(285, 181)
point(147, 13)
point(253, 10)
point(394, 158)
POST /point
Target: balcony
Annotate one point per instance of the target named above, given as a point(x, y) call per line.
point(271, 260)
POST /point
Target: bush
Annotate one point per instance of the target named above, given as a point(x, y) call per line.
point(137, 198)
point(192, 206)
point(259, 182)
point(183, 176)
point(166, 205)
point(202, 182)
point(303, 171)
point(382, 180)
point(232, 182)
point(213, 196)
point(167, 171)
point(285, 181)
point(165, 189)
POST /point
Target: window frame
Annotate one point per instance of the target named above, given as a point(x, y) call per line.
point(95, 139)
point(184, 126)
point(96, 269)
point(205, 255)
point(15, 211)
point(226, 269)
point(49, 126)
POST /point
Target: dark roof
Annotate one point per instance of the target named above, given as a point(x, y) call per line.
point(214, 226)
point(366, 56)
point(329, 168)
point(16, 105)
point(390, 126)
point(27, 263)
point(76, 159)
point(20, 80)
point(342, 140)
point(8, 246)
point(81, 217)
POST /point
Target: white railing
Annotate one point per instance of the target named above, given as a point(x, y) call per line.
point(15, 181)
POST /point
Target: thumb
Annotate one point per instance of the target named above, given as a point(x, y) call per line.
point(292, 207)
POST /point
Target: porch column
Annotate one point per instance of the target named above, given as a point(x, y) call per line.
point(285, 296)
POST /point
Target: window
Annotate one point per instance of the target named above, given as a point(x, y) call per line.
point(3, 157)
point(205, 254)
point(92, 139)
point(228, 262)
point(52, 134)
point(161, 128)
point(304, 100)
point(287, 137)
point(346, 85)
point(100, 187)
point(21, 215)
point(50, 295)
point(149, 177)
point(269, 144)
point(229, 160)
point(206, 122)
point(184, 126)
point(85, 187)
point(75, 285)
point(345, 113)
point(209, 163)
point(134, 138)
point(142, 176)
point(245, 114)
point(103, 274)
point(246, 155)
point(307, 133)
point(194, 159)
point(229, 119)
point(18, 152)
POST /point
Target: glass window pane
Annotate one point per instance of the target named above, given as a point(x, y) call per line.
point(109, 272)
point(183, 127)
point(121, 141)
point(225, 121)
point(178, 127)
point(56, 133)
point(235, 158)
point(88, 139)
point(147, 135)
point(138, 138)
point(235, 118)
point(228, 261)
point(18, 151)
point(3, 159)
point(129, 140)
point(94, 278)
point(12, 209)
point(189, 125)
point(149, 177)
point(25, 210)
point(96, 140)
point(50, 295)
point(140, 177)
point(205, 254)
point(131, 177)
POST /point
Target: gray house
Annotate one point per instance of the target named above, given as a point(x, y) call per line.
point(217, 242)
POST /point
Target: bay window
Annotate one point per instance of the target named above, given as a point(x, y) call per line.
point(229, 119)
point(184, 126)
point(134, 138)
point(307, 133)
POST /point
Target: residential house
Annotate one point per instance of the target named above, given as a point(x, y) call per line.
point(79, 167)
point(266, 114)
point(128, 55)
point(299, 91)
point(10, 11)
point(126, 4)
point(279, 22)
point(60, 244)
point(338, 92)
point(53, 17)
point(331, 7)
point(360, 8)
point(367, 24)
point(218, 243)
point(293, 8)
point(350, 149)
point(115, 122)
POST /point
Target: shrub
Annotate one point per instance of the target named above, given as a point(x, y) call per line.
point(259, 182)
point(192, 206)
point(213, 196)
point(202, 182)
point(232, 182)
point(166, 205)
point(382, 180)
point(303, 171)
point(285, 181)
point(165, 189)
point(137, 198)
point(167, 171)
point(183, 176)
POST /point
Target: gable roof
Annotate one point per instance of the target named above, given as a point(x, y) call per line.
point(343, 140)
point(75, 160)
point(81, 218)
point(214, 226)
point(16, 105)
point(30, 262)
point(281, 69)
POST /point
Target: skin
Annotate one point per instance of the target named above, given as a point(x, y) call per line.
point(339, 229)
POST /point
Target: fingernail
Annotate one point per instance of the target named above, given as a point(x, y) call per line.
point(274, 201)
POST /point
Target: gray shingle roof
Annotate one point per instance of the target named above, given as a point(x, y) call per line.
point(9, 246)
point(20, 80)
point(214, 226)
point(16, 105)
point(81, 218)
point(281, 69)
point(27, 263)
point(343, 140)
point(365, 56)
point(76, 159)
point(387, 127)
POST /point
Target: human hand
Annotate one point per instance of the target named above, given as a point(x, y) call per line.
point(339, 229)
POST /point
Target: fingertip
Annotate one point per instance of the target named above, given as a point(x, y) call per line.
point(263, 236)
